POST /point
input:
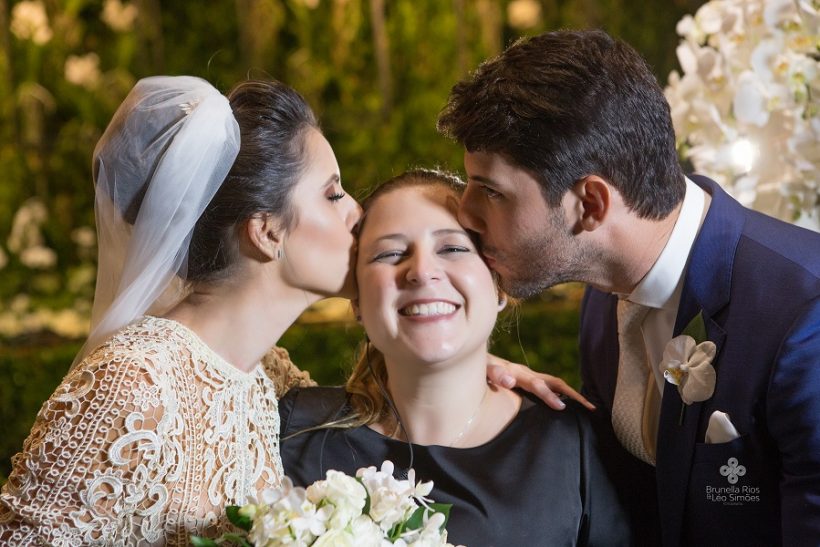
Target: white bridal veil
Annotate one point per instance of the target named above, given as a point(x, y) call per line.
point(162, 158)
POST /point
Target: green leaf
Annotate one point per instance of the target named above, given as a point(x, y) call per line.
point(696, 329)
point(239, 539)
point(395, 532)
point(416, 520)
point(237, 519)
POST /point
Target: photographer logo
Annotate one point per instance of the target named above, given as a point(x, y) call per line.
point(733, 494)
point(732, 470)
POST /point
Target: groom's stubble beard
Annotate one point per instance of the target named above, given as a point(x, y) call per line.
point(545, 259)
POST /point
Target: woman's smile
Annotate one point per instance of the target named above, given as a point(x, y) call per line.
point(429, 309)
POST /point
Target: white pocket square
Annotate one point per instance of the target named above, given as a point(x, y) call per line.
point(720, 429)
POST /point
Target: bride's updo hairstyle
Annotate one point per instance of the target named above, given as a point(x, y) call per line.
point(273, 122)
point(178, 171)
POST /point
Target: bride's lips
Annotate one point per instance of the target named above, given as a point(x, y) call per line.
point(428, 309)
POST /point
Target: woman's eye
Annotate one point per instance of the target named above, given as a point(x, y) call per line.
point(448, 249)
point(336, 197)
point(490, 192)
point(388, 256)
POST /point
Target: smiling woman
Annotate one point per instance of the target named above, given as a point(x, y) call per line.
point(424, 290)
point(419, 397)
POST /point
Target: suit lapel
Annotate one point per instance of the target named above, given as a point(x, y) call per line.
point(706, 289)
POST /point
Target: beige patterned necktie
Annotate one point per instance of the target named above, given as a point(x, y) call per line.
point(637, 401)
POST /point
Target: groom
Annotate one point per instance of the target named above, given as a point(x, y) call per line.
point(573, 176)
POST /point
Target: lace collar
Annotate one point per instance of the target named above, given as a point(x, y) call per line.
point(199, 347)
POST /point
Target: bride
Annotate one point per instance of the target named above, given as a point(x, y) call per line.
point(165, 420)
point(220, 220)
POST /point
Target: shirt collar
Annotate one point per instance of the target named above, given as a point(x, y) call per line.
point(661, 287)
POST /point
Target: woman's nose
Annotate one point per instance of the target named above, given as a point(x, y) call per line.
point(353, 212)
point(423, 269)
point(467, 215)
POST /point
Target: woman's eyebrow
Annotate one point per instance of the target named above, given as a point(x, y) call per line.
point(441, 232)
point(446, 231)
point(334, 179)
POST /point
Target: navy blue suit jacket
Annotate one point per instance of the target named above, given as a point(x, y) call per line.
point(757, 282)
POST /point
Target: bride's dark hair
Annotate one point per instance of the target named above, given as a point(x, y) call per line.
point(273, 122)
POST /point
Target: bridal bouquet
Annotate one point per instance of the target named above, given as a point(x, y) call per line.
point(374, 509)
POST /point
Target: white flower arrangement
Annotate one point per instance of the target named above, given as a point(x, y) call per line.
point(746, 108)
point(374, 509)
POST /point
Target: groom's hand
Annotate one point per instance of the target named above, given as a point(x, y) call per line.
point(544, 386)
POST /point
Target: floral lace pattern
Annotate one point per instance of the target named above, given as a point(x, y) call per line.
point(145, 442)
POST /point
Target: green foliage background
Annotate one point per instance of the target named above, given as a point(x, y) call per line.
point(376, 71)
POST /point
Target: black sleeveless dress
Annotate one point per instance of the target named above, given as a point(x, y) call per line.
point(538, 482)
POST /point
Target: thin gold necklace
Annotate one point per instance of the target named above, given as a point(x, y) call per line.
point(461, 433)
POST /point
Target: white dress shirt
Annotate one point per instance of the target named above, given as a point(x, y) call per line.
point(661, 288)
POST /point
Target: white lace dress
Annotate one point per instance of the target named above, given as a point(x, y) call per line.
point(145, 443)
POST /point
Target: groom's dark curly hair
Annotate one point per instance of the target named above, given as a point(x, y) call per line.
point(568, 104)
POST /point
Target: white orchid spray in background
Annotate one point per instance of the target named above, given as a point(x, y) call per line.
point(746, 108)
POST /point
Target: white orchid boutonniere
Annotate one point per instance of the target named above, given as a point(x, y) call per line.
point(687, 362)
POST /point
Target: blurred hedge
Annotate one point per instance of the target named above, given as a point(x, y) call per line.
point(546, 332)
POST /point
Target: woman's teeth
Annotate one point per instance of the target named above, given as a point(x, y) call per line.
point(431, 309)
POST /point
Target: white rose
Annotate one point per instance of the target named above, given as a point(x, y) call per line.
point(387, 507)
point(346, 494)
point(366, 532)
point(336, 538)
point(265, 526)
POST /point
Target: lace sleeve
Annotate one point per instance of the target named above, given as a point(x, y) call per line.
point(90, 470)
point(284, 374)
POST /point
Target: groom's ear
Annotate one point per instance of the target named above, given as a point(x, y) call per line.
point(594, 197)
